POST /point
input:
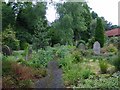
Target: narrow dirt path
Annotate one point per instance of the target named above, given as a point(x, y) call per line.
point(53, 78)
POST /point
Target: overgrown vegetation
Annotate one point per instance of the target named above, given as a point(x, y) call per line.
point(35, 42)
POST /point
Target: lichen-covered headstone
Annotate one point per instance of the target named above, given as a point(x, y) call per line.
point(96, 48)
point(81, 46)
point(6, 50)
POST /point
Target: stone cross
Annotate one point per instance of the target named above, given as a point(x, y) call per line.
point(96, 48)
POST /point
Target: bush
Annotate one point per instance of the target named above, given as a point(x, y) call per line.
point(9, 38)
point(85, 73)
point(112, 48)
point(103, 66)
point(113, 40)
point(101, 83)
point(25, 84)
point(23, 45)
point(88, 52)
point(77, 56)
point(90, 42)
point(116, 62)
point(71, 75)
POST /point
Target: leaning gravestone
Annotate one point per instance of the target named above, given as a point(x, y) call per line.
point(6, 50)
point(96, 48)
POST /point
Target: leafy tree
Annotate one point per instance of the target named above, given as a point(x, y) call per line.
point(9, 38)
point(53, 34)
point(93, 27)
point(71, 20)
point(94, 15)
point(8, 16)
point(29, 14)
point(40, 38)
point(99, 32)
point(88, 19)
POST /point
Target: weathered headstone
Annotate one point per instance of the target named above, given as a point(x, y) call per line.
point(6, 50)
point(81, 46)
point(28, 54)
point(96, 48)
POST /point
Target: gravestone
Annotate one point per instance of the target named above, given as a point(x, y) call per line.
point(28, 54)
point(81, 46)
point(6, 50)
point(96, 48)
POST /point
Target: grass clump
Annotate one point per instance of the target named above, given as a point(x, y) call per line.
point(103, 66)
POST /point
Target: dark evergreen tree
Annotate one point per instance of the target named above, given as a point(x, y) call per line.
point(99, 32)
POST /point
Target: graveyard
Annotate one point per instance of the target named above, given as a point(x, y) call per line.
point(73, 52)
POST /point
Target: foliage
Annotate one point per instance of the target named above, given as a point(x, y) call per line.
point(71, 75)
point(41, 58)
point(85, 73)
point(113, 40)
point(77, 22)
point(91, 42)
point(18, 75)
point(101, 82)
point(103, 66)
point(77, 57)
point(112, 48)
point(40, 39)
point(25, 84)
point(99, 32)
point(23, 45)
point(8, 16)
point(116, 62)
point(9, 38)
point(54, 36)
point(23, 36)
point(28, 15)
point(87, 53)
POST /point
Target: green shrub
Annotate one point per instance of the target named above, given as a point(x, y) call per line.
point(116, 62)
point(22, 61)
point(113, 40)
point(9, 38)
point(85, 73)
point(90, 42)
point(25, 84)
point(6, 67)
point(88, 52)
point(23, 45)
point(103, 66)
point(101, 83)
point(41, 58)
point(71, 75)
point(77, 57)
point(112, 48)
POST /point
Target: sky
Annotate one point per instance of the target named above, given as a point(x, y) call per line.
point(106, 8)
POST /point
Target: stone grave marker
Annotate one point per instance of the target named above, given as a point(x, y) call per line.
point(28, 54)
point(6, 50)
point(96, 48)
point(81, 46)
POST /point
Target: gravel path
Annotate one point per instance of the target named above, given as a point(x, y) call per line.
point(53, 78)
